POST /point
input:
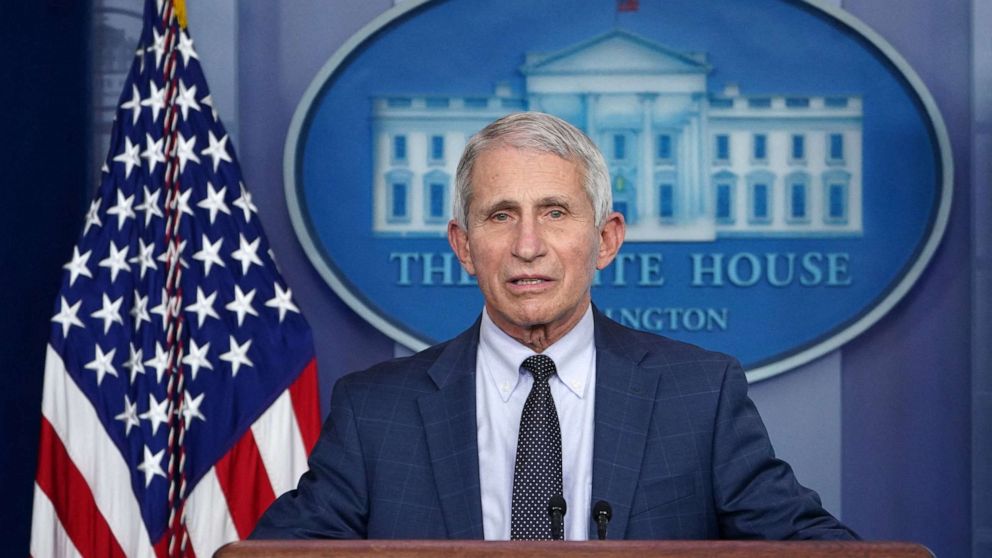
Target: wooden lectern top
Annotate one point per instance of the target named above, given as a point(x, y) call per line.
point(584, 549)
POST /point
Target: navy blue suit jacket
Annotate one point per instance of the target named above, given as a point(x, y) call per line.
point(679, 451)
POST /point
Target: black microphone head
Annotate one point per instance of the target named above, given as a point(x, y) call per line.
point(602, 509)
point(557, 504)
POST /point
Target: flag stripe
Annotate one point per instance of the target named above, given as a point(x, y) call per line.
point(245, 483)
point(162, 546)
point(280, 444)
point(304, 395)
point(208, 522)
point(75, 422)
point(48, 538)
point(66, 489)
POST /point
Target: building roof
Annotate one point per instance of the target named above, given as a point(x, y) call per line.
point(615, 52)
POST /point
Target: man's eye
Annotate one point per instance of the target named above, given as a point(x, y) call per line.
point(500, 216)
point(556, 214)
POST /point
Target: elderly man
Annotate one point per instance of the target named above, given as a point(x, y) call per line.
point(544, 400)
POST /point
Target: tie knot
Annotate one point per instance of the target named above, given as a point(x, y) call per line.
point(540, 366)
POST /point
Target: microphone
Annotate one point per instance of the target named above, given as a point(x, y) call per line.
point(557, 509)
point(601, 514)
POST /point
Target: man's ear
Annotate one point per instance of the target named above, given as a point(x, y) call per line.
point(611, 236)
point(458, 239)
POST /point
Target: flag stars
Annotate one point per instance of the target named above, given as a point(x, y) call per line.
point(209, 101)
point(185, 47)
point(151, 465)
point(182, 202)
point(129, 416)
point(217, 150)
point(139, 53)
point(155, 100)
point(244, 203)
point(237, 355)
point(139, 310)
point(186, 99)
point(241, 305)
point(134, 105)
point(93, 216)
point(144, 258)
point(214, 202)
point(102, 364)
point(247, 253)
point(67, 316)
point(154, 153)
point(150, 205)
point(197, 357)
point(123, 209)
point(282, 301)
point(160, 363)
point(134, 364)
point(157, 413)
point(191, 408)
point(77, 266)
point(116, 261)
point(129, 156)
point(158, 46)
point(185, 150)
point(203, 307)
point(209, 254)
point(162, 309)
point(110, 313)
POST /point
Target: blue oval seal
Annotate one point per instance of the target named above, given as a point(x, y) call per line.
point(785, 175)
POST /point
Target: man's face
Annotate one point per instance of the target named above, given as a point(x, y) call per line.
point(532, 243)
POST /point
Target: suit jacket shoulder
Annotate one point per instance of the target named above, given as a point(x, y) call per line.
point(681, 452)
point(397, 455)
point(654, 350)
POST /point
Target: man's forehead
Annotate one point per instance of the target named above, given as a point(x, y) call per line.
point(527, 169)
point(503, 150)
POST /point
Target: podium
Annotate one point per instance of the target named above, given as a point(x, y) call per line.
point(584, 549)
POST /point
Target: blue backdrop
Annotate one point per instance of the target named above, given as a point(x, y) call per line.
point(905, 444)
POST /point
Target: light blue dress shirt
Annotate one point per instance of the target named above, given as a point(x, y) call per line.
point(501, 388)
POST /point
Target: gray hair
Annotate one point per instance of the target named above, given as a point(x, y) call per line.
point(543, 133)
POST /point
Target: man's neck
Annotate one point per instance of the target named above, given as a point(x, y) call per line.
point(541, 336)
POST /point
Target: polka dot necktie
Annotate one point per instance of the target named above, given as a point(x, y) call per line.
point(537, 471)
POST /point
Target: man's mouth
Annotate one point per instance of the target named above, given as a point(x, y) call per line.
point(529, 281)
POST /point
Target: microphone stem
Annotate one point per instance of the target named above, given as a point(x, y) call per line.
point(556, 526)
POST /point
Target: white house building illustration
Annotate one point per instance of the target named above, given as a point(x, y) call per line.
point(687, 164)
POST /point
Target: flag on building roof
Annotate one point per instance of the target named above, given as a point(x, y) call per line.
point(180, 392)
point(627, 5)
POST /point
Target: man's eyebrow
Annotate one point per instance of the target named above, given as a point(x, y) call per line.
point(554, 201)
point(510, 205)
point(500, 205)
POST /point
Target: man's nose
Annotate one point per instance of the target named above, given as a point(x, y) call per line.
point(529, 241)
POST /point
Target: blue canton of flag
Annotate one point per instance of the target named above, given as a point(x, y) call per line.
point(180, 389)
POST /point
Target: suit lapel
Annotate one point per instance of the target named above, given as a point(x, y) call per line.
point(450, 425)
point(625, 397)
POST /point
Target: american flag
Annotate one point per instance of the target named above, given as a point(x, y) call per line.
point(180, 392)
point(627, 5)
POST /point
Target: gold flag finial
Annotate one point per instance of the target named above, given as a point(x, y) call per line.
point(180, 8)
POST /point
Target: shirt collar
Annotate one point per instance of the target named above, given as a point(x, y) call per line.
point(574, 355)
